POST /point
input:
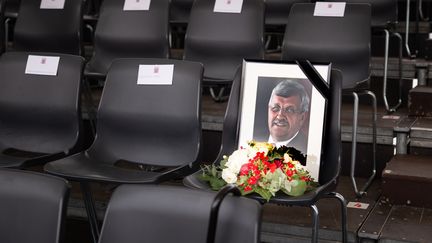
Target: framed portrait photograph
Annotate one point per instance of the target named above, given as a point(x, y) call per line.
point(281, 106)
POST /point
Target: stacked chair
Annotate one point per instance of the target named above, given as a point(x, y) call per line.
point(220, 41)
point(345, 42)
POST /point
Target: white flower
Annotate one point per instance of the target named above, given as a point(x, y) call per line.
point(236, 160)
point(298, 166)
point(287, 158)
point(229, 176)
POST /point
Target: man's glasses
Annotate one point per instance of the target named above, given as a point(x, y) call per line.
point(288, 110)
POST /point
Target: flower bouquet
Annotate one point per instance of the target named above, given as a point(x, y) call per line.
point(262, 168)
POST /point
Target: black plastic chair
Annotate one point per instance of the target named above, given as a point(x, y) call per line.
point(129, 34)
point(49, 30)
point(345, 42)
point(276, 17)
point(32, 207)
point(384, 19)
point(40, 115)
point(330, 164)
point(145, 133)
point(150, 213)
point(222, 40)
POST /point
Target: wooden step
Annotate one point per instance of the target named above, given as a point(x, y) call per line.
point(407, 179)
point(419, 101)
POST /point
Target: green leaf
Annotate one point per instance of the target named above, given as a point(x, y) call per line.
point(263, 193)
point(214, 182)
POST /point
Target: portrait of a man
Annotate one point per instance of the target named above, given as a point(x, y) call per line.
point(280, 105)
point(286, 114)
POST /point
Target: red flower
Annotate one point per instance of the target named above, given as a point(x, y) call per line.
point(290, 165)
point(272, 167)
point(289, 173)
point(244, 170)
point(253, 180)
point(247, 188)
point(278, 163)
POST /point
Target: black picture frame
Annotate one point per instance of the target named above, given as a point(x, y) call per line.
point(258, 80)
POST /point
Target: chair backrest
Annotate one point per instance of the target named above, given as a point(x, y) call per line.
point(49, 30)
point(277, 11)
point(222, 40)
point(163, 214)
point(149, 124)
point(384, 12)
point(12, 7)
point(343, 41)
point(39, 113)
point(332, 144)
point(130, 34)
point(230, 132)
point(32, 207)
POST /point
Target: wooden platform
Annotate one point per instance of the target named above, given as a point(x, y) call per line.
point(407, 179)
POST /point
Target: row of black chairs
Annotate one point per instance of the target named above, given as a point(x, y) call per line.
point(146, 134)
point(219, 41)
point(115, 153)
point(34, 205)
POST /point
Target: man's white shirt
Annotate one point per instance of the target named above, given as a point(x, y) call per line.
point(281, 143)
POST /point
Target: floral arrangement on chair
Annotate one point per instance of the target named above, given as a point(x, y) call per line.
point(262, 168)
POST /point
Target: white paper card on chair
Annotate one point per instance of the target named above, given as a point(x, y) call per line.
point(228, 6)
point(155, 74)
point(329, 9)
point(52, 4)
point(42, 65)
point(136, 5)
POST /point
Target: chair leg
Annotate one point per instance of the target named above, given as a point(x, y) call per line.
point(315, 223)
point(220, 96)
point(361, 192)
point(407, 21)
point(343, 205)
point(91, 210)
point(386, 57)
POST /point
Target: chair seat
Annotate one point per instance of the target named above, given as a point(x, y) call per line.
point(81, 167)
point(7, 161)
point(194, 181)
